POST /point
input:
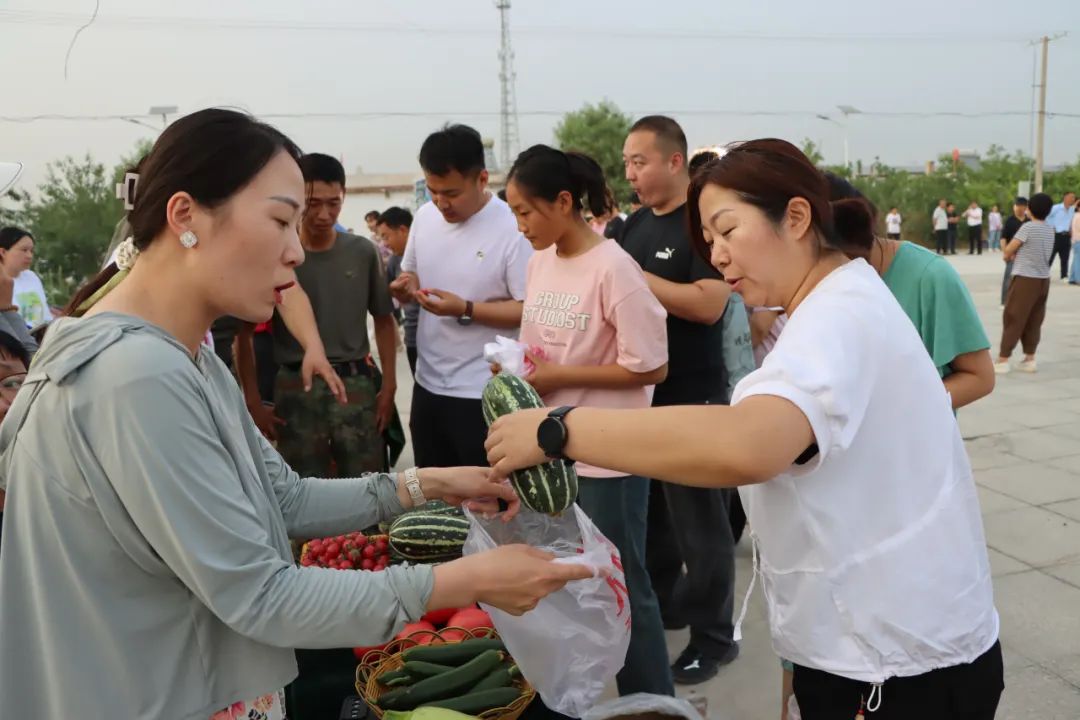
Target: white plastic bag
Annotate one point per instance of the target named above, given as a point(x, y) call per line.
point(509, 355)
point(572, 644)
point(643, 704)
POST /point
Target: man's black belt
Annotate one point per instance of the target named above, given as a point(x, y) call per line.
point(351, 368)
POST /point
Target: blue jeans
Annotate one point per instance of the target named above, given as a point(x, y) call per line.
point(1074, 270)
point(619, 507)
point(994, 240)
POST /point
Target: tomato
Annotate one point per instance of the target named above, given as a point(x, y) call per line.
point(346, 565)
point(439, 618)
point(332, 565)
point(347, 546)
point(381, 545)
point(453, 635)
point(360, 652)
point(315, 546)
point(306, 561)
point(411, 628)
point(360, 539)
point(369, 551)
point(333, 548)
point(471, 619)
point(367, 564)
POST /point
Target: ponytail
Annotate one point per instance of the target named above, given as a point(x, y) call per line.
point(93, 290)
point(545, 172)
point(854, 217)
point(589, 184)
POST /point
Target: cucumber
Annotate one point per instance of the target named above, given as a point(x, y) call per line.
point(497, 678)
point(389, 701)
point(550, 487)
point(399, 681)
point(452, 653)
point(419, 669)
point(448, 684)
point(478, 702)
point(391, 675)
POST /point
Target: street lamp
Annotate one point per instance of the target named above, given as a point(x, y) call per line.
point(164, 111)
point(848, 111)
point(834, 121)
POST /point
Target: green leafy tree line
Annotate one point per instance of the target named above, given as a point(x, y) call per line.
point(72, 216)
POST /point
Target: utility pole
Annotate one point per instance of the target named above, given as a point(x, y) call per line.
point(508, 117)
point(1040, 131)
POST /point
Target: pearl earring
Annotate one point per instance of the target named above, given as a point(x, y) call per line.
point(188, 239)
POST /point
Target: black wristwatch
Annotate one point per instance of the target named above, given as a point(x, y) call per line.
point(466, 319)
point(552, 435)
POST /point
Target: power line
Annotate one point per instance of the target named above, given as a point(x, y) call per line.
point(378, 115)
point(32, 17)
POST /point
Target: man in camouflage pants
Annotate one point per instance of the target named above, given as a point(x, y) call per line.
point(344, 279)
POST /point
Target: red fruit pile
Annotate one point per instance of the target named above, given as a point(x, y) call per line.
point(469, 618)
point(354, 551)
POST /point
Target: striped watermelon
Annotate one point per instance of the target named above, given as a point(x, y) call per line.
point(548, 488)
point(428, 537)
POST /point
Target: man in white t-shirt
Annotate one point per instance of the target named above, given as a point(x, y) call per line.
point(892, 224)
point(941, 227)
point(974, 215)
point(465, 265)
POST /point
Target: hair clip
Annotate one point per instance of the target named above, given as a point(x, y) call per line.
point(125, 190)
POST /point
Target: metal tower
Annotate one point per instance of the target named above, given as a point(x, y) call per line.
point(508, 117)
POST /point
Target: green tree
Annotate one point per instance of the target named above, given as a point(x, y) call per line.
point(599, 131)
point(72, 217)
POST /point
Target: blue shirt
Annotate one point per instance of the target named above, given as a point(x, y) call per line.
point(1061, 219)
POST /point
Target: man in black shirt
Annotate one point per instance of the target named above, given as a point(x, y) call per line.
point(1008, 232)
point(686, 525)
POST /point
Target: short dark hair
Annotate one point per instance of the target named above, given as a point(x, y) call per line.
point(318, 167)
point(1040, 205)
point(395, 217)
point(11, 235)
point(372, 214)
point(702, 159)
point(1020, 200)
point(453, 147)
point(501, 194)
point(767, 174)
point(11, 345)
point(666, 130)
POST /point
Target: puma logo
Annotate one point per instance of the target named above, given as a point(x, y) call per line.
point(666, 253)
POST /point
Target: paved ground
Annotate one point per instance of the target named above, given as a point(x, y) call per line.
point(1024, 442)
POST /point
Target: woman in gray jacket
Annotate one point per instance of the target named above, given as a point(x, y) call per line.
point(146, 570)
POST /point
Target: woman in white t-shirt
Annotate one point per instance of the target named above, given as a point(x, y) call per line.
point(893, 221)
point(16, 256)
point(867, 535)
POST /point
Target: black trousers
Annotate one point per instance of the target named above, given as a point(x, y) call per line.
point(974, 239)
point(690, 526)
point(266, 368)
point(410, 353)
point(952, 239)
point(961, 692)
point(942, 239)
point(1062, 248)
point(447, 431)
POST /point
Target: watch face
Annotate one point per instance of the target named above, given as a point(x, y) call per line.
point(551, 436)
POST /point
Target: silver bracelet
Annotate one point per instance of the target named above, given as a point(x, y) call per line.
point(412, 484)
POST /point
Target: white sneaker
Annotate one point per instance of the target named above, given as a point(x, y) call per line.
point(1065, 280)
point(1002, 368)
point(1028, 366)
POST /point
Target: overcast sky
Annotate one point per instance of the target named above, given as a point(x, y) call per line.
point(701, 61)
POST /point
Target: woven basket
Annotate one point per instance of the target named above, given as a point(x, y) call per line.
point(377, 662)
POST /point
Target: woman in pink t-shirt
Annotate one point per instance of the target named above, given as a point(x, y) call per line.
point(598, 337)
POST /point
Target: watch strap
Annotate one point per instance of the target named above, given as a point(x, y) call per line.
point(412, 484)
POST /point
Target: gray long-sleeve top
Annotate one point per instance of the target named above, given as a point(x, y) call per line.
point(146, 569)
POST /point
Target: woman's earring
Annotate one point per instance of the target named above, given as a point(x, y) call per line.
point(188, 239)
